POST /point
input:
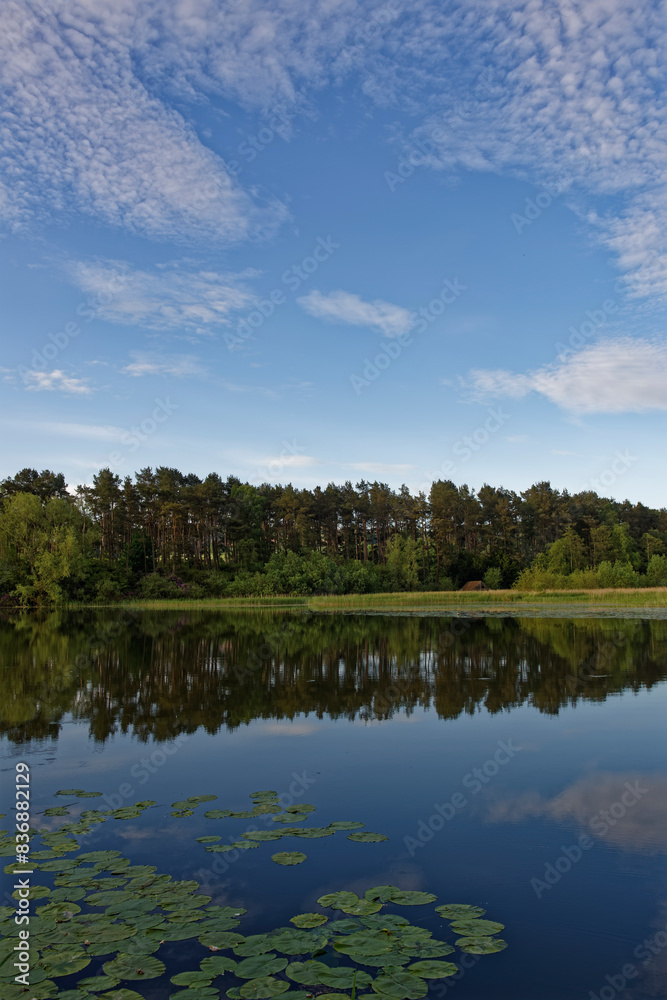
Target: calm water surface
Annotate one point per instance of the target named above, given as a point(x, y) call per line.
point(484, 748)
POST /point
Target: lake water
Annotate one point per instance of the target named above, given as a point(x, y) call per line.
point(516, 764)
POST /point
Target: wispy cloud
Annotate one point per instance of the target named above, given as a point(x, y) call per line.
point(176, 297)
point(82, 132)
point(177, 366)
point(616, 376)
point(345, 307)
point(56, 381)
point(88, 432)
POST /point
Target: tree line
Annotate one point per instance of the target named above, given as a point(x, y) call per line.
point(164, 533)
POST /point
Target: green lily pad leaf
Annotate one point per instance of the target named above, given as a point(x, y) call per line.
point(365, 942)
point(34, 892)
point(477, 928)
point(344, 977)
point(260, 835)
point(122, 995)
point(191, 979)
point(256, 944)
point(196, 993)
point(289, 817)
point(459, 911)
point(381, 893)
point(412, 898)
point(218, 813)
point(217, 965)
point(145, 803)
point(309, 920)
point(134, 967)
point(89, 795)
point(296, 942)
point(264, 808)
point(381, 960)
point(362, 908)
point(221, 939)
point(56, 811)
point(263, 795)
point(265, 986)
point(288, 857)
point(344, 824)
point(126, 812)
point(367, 838)
point(303, 807)
point(262, 965)
point(337, 900)
point(307, 973)
point(96, 984)
point(57, 966)
point(182, 813)
point(196, 799)
point(385, 921)
point(314, 832)
point(426, 949)
point(181, 804)
point(69, 791)
point(211, 839)
point(481, 945)
point(345, 926)
point(433, 970)
point(59, 911)
point(219, 848)
point(242, 814)
point(234, 993)
point(401, 985)
point(244, 845)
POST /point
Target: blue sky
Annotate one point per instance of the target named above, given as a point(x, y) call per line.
point(318, 240)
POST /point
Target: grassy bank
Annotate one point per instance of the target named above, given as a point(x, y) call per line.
point(654, 597)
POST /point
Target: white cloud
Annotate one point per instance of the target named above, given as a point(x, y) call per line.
point(56, 380)
point(345, 307)
point(177, 366)
point(292, 461)
point(615, 376)
point(173, 297)
point(81, 130)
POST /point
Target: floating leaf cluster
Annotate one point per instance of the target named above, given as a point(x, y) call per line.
point(106, 918)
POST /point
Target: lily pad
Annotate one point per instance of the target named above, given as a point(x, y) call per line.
point(262, 965)
point(69, 791)
point(265, 986)
point(345, 824)
point(196, 978)
point(307, 973)
point(459, 911)
point(196, 799)
point(314, 832)
point(401, 985)
point(309, 920)
point(288, 857)
point(303, 807)
point(412, 898)
point(477, 928)
point(433, 970)
point(195, 993)
point(337, 900)
point(260, 835)
point(123, 994)
point(56, 811)
point(481, 945)
point(208, 840)
point(367, 838)
point(97, 984)
point(217, 965)
point(218, 813)
point(256, 944)
point(134, 967)
point(343, 977)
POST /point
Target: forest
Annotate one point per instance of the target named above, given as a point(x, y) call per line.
point(166, 534)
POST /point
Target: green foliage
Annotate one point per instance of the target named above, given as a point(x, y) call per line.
point(167, 535)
